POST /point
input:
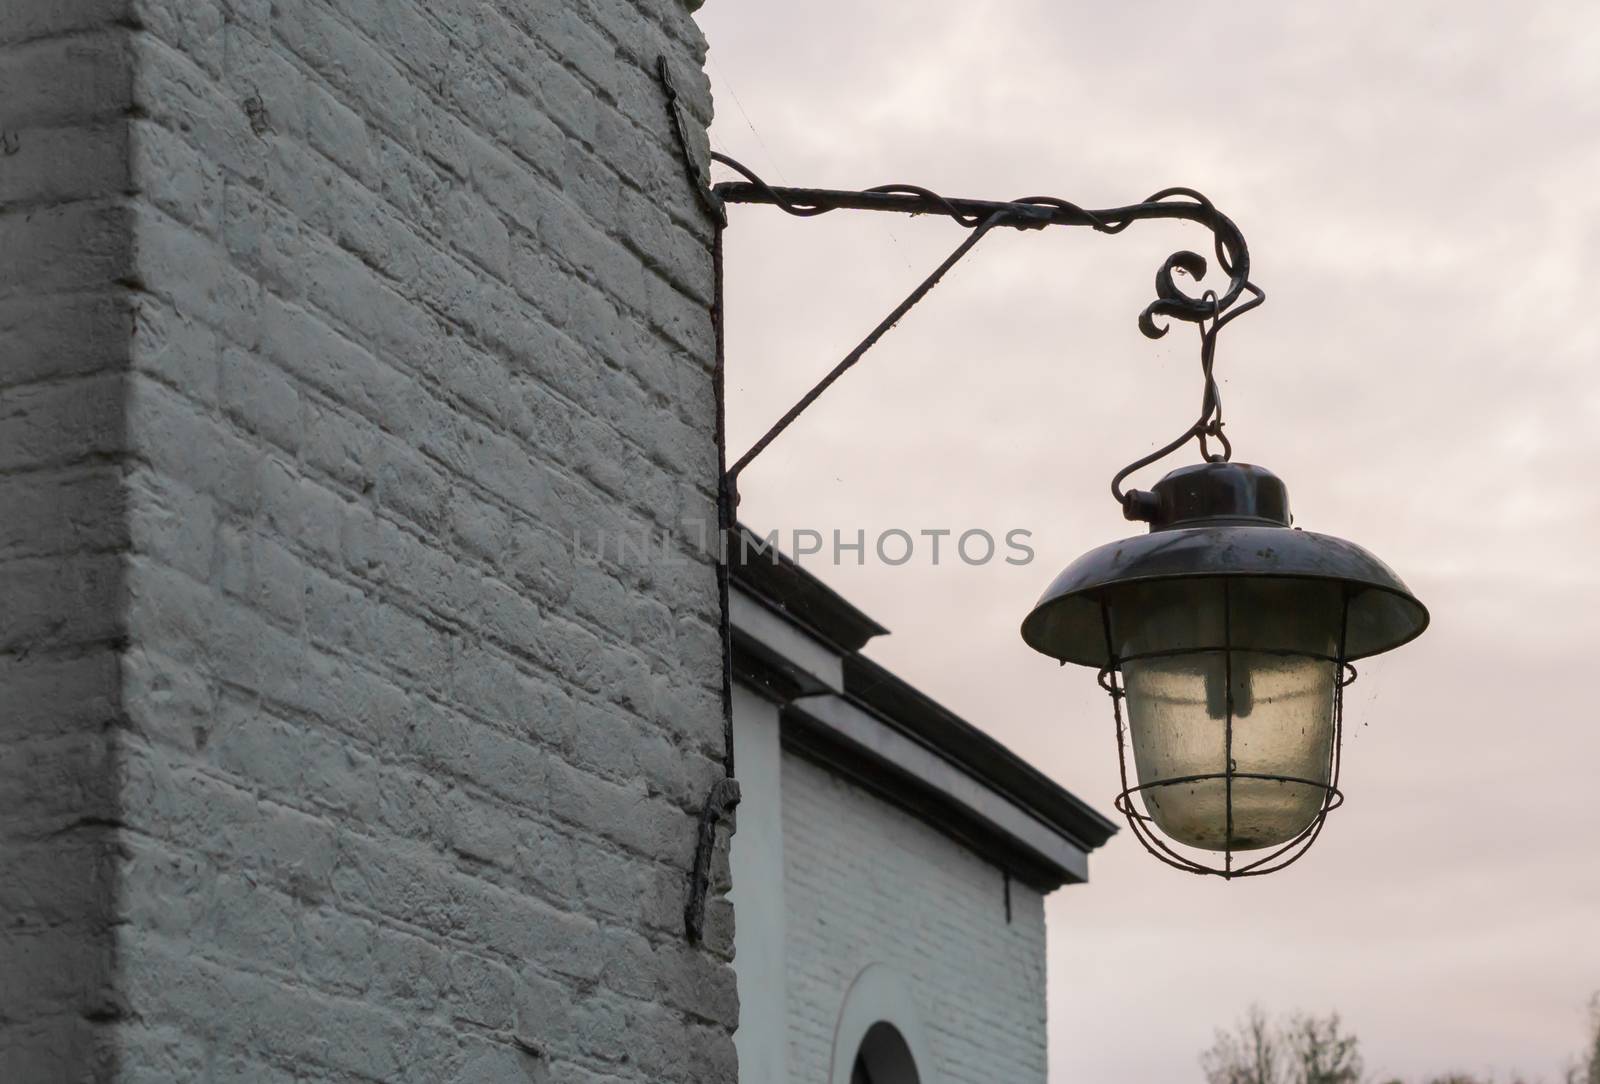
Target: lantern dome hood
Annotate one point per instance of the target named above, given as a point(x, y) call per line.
point(1220, 520)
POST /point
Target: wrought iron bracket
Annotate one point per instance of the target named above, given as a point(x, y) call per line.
point(722, 800)
point(1209, 312)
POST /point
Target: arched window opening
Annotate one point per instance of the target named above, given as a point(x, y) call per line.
point(884, 1058)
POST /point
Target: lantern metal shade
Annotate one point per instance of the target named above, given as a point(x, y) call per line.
point(1066, 623)
point(1229, 636)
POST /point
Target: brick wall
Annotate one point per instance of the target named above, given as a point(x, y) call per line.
point(339, 320)
point(866, 883)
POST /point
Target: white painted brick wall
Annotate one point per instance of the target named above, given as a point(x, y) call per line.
point(325, 326)
point(867, 883)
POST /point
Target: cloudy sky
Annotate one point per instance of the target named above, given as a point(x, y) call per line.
point(1420, 186)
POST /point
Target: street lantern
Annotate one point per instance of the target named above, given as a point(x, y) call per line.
point(1230, 635)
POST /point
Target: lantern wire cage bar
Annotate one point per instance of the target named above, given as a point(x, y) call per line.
point(1142, 824)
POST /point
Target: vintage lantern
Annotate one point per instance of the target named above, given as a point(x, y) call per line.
point(1230, 635)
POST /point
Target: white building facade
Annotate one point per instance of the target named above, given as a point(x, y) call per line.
point(890, 864)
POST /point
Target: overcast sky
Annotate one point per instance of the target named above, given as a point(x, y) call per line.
point(1420, 187)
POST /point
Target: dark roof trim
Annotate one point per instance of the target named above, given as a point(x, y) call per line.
point(760, 569)
point(912, 712)
point(806, 735)
point(792, 638)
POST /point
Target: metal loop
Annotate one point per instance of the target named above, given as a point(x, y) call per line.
point(788, 207)
point(971, 221)
point(1095, 221)
point(708, 200)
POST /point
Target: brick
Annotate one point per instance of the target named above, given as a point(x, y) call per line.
point(48, 696)
point(481, 991)
point(168, 702)
point(76, 509)
point(178, 94)
point(175, 437)
point(52, 82)
point(178, 352)
point(58, 602)
point(50, 784)
point(27, 20)
point(195, 29)
point(623, 813)
point(52, 424)
point(175, 176)
point(53, 337)
point(60, 165)
point(193, 273)
point(262, 573)
point(260, 398)
point(298, 508)
point(367, 79)
point(515, 771)
point(267, 88)
point(171, 522)
point(57, 249)
point(295, 763)
point(335, 130)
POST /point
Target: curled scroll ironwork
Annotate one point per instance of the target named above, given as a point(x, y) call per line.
point(1232, 255)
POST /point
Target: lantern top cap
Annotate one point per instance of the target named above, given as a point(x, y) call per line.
point(1219, 493)
point(1220, 520)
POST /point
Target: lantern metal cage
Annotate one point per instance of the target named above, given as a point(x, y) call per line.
point(1278, 856)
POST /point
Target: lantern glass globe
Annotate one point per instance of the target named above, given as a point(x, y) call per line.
point(1219, 665)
